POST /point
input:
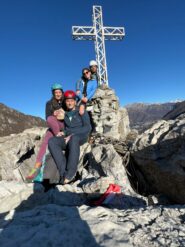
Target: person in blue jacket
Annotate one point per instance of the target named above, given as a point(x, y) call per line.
point(85, 89)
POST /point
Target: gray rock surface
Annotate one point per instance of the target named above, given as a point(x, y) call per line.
point(104, 161)
point(18, 153)
point(56, 218)
point(159, 153)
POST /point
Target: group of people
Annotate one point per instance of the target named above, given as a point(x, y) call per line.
point(69, 125)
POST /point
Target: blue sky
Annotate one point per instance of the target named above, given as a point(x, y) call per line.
point(36, 49)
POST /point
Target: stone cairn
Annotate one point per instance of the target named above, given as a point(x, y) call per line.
point(108, 118)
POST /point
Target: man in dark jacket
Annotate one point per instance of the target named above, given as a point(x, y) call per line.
point(77, 129)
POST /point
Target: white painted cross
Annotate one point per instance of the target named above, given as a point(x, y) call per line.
point(99, 34)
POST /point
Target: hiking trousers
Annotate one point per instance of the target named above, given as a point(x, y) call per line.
point(67, 163)
point(54, 128)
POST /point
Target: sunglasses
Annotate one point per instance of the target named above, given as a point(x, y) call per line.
point(87, 72)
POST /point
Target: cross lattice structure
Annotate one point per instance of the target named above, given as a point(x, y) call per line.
point(99, 33)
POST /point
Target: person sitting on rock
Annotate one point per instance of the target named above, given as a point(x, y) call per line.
point(93, 66)
point(54, 118)
point(77, 127)
point(85, 89)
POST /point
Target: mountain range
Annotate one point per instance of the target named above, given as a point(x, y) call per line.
point(142, 116)
point(13, 121)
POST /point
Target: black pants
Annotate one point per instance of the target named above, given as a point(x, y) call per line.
point(67, 166)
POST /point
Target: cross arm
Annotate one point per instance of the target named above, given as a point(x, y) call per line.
point(88, 33)
point(114, 33)
point(83, 33)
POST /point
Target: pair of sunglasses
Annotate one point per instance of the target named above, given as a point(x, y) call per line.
point(85, 73)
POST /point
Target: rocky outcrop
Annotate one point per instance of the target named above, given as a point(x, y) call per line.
point(108, 118)
point(13, 121)
point(18, 154)
point(153, 166)
point(104, 167)
point(159, 154)
point(156, 156)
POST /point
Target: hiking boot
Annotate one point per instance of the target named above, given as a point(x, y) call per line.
point(34, 172)
point(68, 181)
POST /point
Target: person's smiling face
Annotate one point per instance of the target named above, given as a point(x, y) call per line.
point(87, 74)
point(70, 104)
point(93, 69)
point(58, 94)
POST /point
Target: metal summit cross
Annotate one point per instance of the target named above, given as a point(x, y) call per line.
point(98, 33)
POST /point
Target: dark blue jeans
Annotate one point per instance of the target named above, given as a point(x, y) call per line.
point(67, 163)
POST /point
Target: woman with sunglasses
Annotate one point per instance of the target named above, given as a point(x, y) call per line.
point(86, 89)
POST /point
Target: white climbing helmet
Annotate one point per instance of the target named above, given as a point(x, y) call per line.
point(93, 63)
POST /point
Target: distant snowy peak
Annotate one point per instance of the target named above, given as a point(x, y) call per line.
point(177, 101)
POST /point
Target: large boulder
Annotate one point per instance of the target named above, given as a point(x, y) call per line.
point(105, 166)
point(18, 153)
point(108, 118)
point(159, 154)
